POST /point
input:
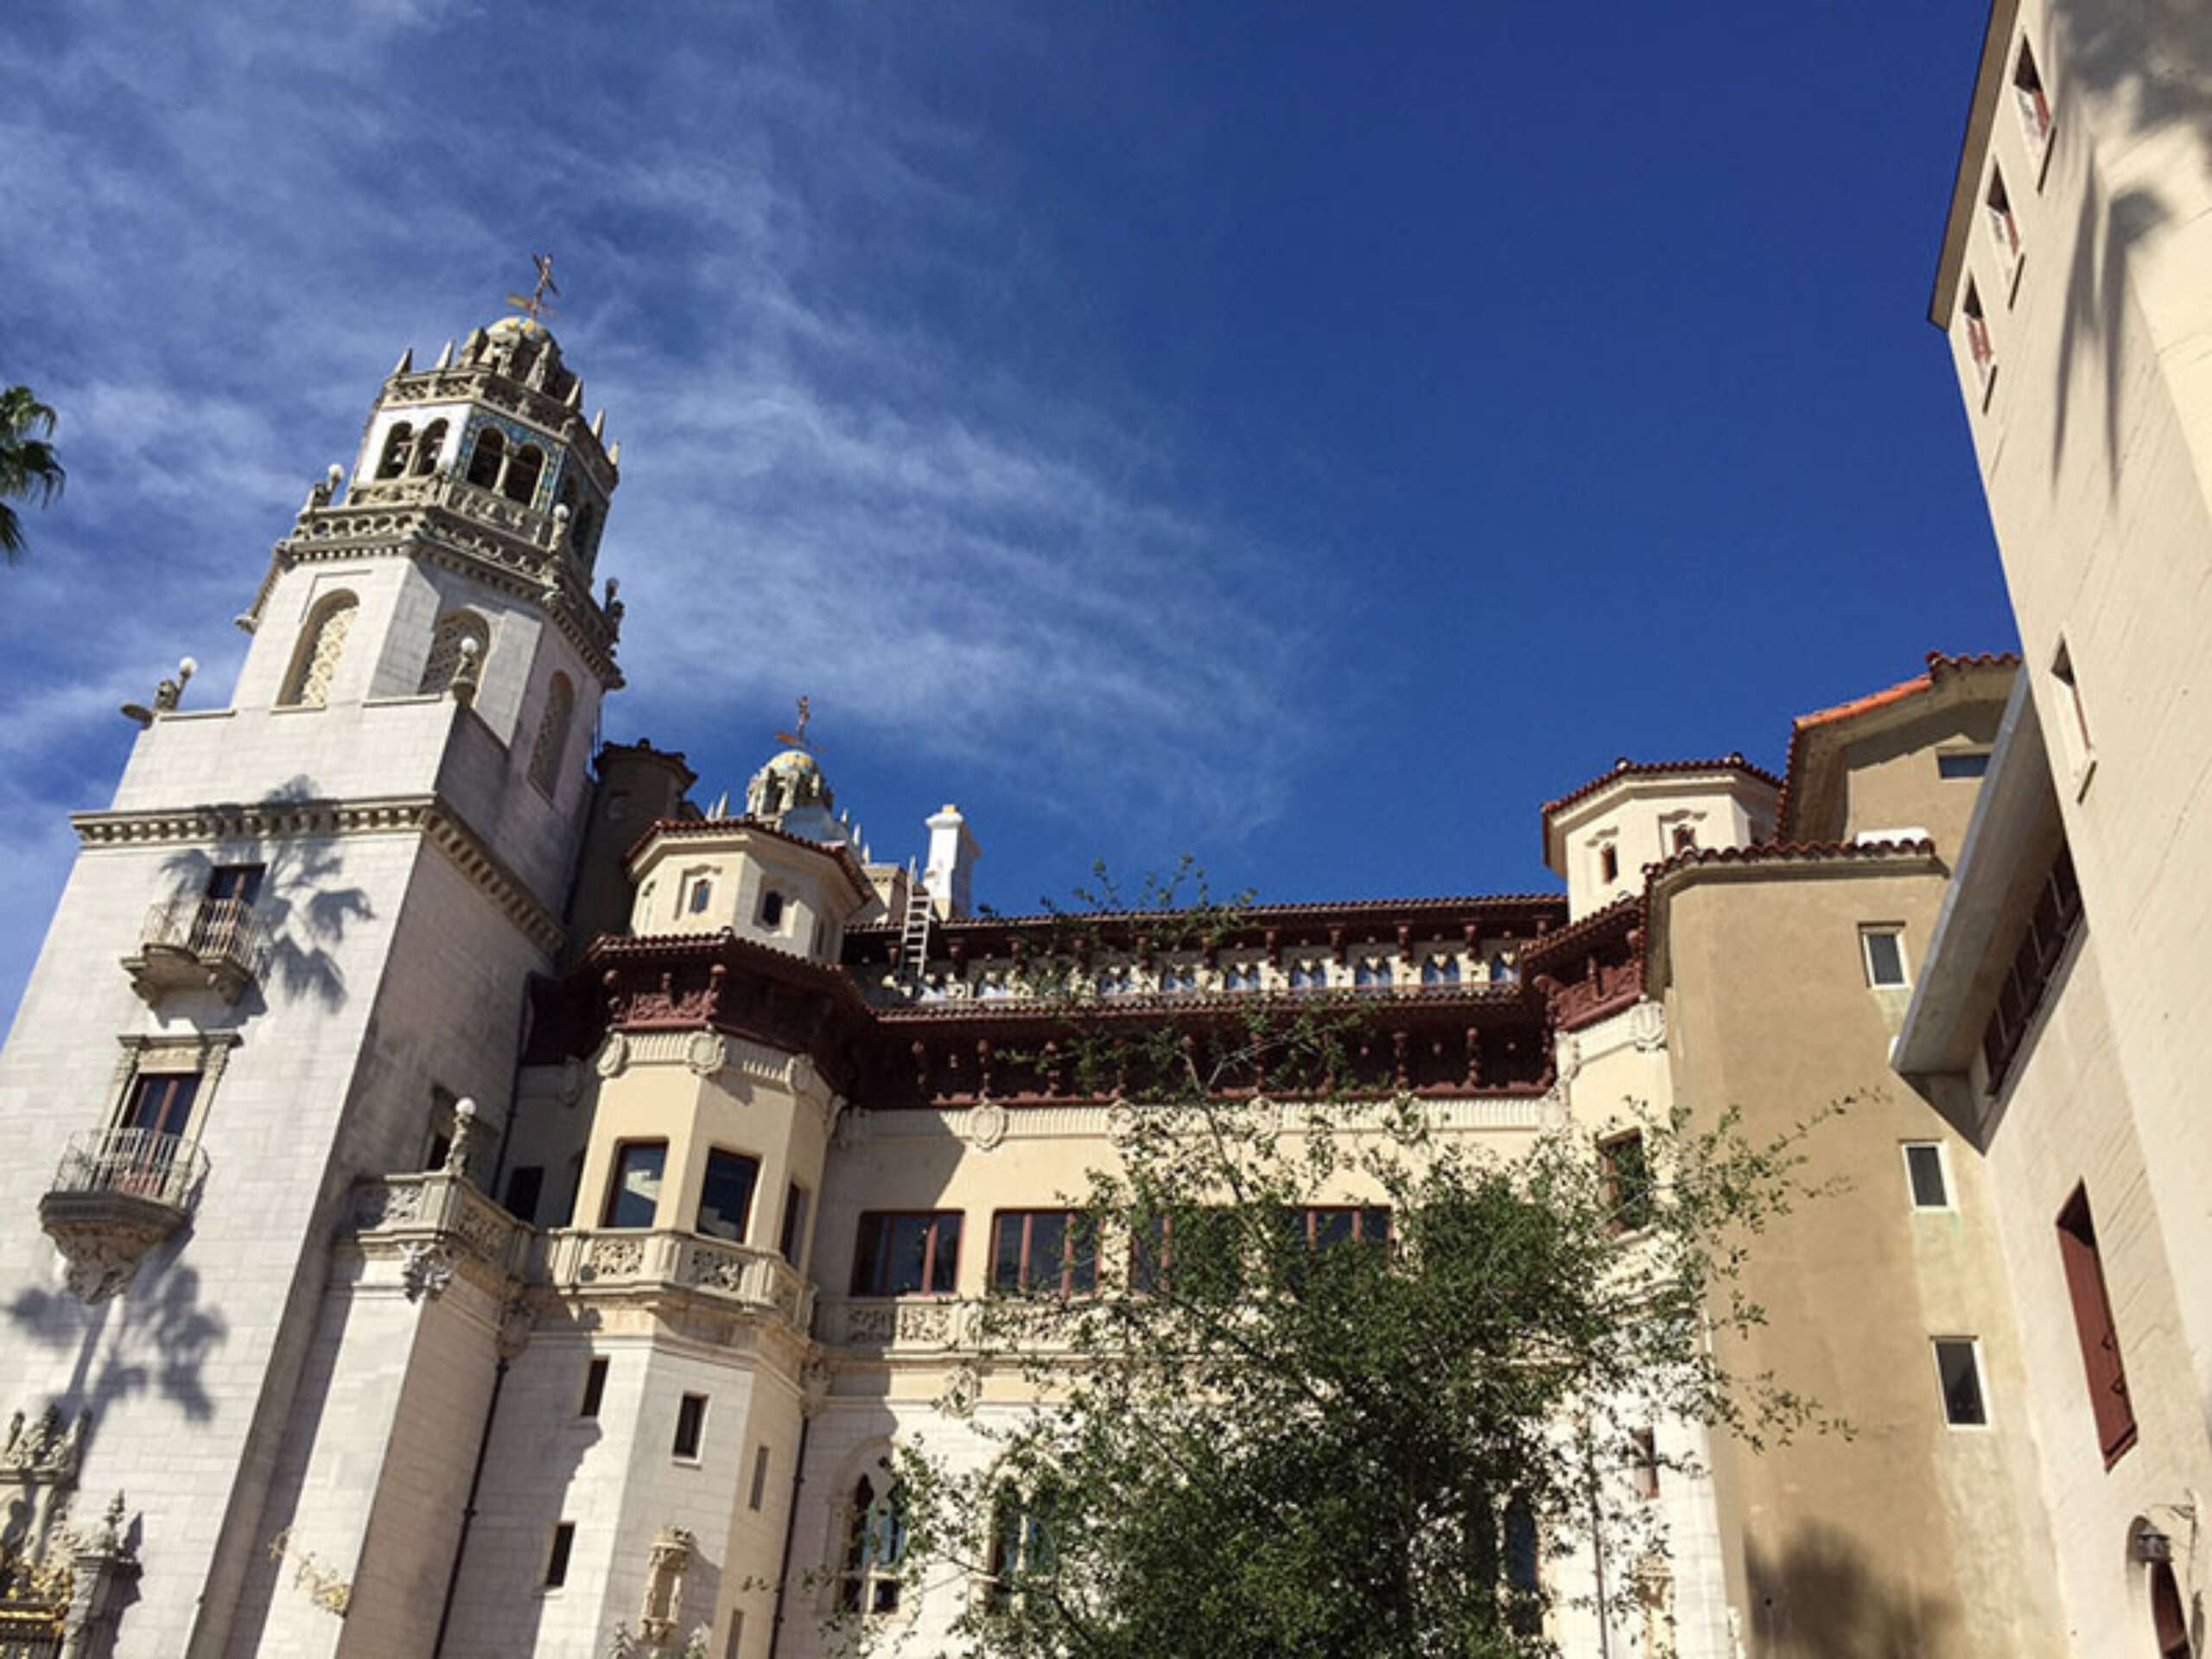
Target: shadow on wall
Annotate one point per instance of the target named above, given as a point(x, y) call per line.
point(2099, 50)
point(1820, 1599)
point(304, 909)
point(155, 1336)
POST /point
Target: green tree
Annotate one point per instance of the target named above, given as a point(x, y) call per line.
point(1334, 1382)
point(29, 470)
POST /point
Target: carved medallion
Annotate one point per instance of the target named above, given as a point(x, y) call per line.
point(1647, 1025)
point(706, 1053)
point(985, 1126)
point(613, 1055)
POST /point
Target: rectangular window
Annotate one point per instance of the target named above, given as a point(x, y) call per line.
point(690, 1427)
point(726, 1196)
point(907, 1253)
point(760, 1477)
point(793, 1238)
point(1609, 864)
point(1962, 763)
point(556, 1564)
point(1958, 1371)
point(238, 882)
point(1883, 949)
point(1643, 1462)
point(1201, 1246)
point(1625, 1167)
point(1924, 1175)
point(2073, 720)
point(2003, 227)
point(595, 1388)
point(2093, 1324)
point(633, 1191)
point(161, 1101)
point(1980, 348)
point(1325, 1226)
point(524, 1185)
point(1049, 1252)
point(736, 1635)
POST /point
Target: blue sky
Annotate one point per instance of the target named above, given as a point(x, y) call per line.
point(1306, 436)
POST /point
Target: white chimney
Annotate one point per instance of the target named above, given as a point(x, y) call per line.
point(949, 876)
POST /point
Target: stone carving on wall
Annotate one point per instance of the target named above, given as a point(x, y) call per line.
point(384, 1204)
point(1647, 1025)
point(986, 1126)
point(103, 1251)
point(963, 1390)
point(706, 1053)
point(613, 1258)
point(425, 1269)
point(613, 1055)
point(43, 1448)
point(666, 1567)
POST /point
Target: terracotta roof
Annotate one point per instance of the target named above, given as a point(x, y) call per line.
point(1941, 666)
point(1626, 767)
point(1784, 852)
point(1624, 913)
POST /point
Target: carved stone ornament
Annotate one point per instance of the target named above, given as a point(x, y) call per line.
point(986, 1126)
point(1570, 1056)
point(1647, 1026)
point(707, 1052)
point(43, 1449)
point(103, 1236)
point(1552, 1108)
point(1121, 1121)
point(613, 1055)
point(518, 1320)
point(425, 1269)
point(383, 1204)
point(963, 1390)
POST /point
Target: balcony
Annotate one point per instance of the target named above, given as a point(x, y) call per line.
point(115, 1194)
point(713, 1269)
point(193, 943)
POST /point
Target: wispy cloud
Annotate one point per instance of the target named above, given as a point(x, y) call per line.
point(791, 284)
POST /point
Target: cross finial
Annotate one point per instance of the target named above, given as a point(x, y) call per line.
point(539, 300)
point(797, 739)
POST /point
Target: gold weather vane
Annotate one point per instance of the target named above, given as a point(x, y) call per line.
point(540, 299)
point(798, 739)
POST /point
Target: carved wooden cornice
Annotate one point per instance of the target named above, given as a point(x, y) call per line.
point(427, 816)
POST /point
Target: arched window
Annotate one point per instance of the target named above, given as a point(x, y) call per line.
point(1684, 839)
point(1440, 970)
point(452, 628)
point(2169, 1618)
point(875, 1547)
point(395, 446)
point(552, 733)
point(487, 458)
point(1021, 1542)
point(523, 473)
point(1523, 1580)
point(322, 644)
point(772, 910)
point(428, 448)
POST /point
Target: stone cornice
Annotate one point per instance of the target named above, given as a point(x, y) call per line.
point(427, 815)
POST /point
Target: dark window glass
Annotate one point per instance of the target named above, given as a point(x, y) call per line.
point(595, 1388)
point(771, 909)
point(1521, 1574)
point(875, 1549)
point(1884, 956)
point(793, 1239)
point(1960, 1369)
point(1924, 1168)
point(726, 1197)
point(907, 1254)
point(556, 1566)
point(524, 1185)
point(1200, 1249)
point(1047, 1251)
point(1968, 763)
point(1684, 839)
point(760, 1477)
point(239, 881)
point(633, 1193)
point(1609, 862)
point(1644, 1459)
point(160, 1102)
point(1626, 1168)
point(690, 1425)
point(484, 460)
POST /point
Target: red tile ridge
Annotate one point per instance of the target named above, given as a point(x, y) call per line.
point(1626, 767)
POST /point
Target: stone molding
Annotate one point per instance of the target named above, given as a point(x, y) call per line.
point(989, 1123)
point(427, 816)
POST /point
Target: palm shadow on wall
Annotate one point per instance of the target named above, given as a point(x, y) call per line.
point(2097, 53)
point(1819, 1597)
point(305, 911)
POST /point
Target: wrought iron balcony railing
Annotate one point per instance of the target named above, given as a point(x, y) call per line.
point(195, 943)
point(163, 1169)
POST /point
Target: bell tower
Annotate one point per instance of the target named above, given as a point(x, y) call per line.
point(295, 954)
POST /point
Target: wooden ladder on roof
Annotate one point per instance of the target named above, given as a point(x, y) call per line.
point(914, 934)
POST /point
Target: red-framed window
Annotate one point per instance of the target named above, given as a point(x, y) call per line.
point(907, 1253)
point(1047, 1252)
point(2093, 1324)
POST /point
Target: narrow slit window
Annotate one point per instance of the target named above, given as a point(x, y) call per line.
point(595, 1388)
point(2073, 722)
point(1958, 1373)
point(1625, 1170)
point(759, 1491)
point(772, 910)
point(1975, 321)
point(1684, 839)
point(1609, 863)
point(2003, 228)
point(556, 1564)
point(1962, 763)
point(690, 1427)
point(1643, 1462)
point(2033, 102)
point(793, 1238)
